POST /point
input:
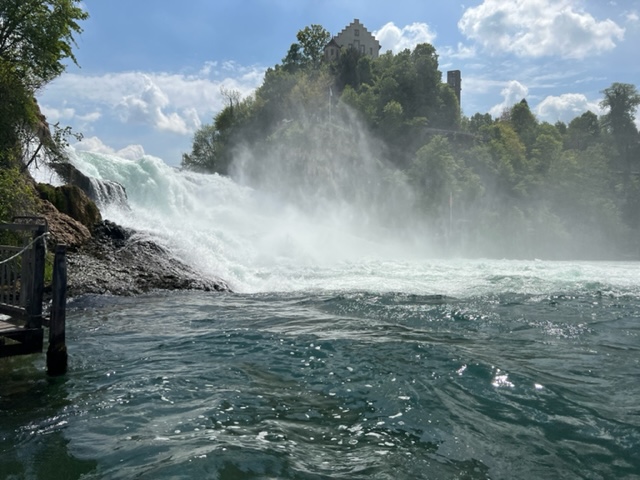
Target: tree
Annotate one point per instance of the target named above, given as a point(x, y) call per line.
point(427, 80)
point(448, 114)
point(583, 131)
point(433, 173)
point(294, 59)
point(479, 120)
point(203, 151)
point(546, 149)
point(621, 99)
point(36, 36)
point(346, 70)
point(313, 39)
point(17, 108)
point(524, 123)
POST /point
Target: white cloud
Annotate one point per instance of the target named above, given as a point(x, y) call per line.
point(397, 39)
point(632, 17)
point(536, 28)
point(177, 103)
point(55, 115)
point(94, 144)
point(512, 93)
point(464, 51)
point(565, 107)
point(147, 107)
point(90, 117)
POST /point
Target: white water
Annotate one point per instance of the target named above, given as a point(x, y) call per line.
point(257, 243)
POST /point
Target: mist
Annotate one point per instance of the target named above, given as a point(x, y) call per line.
point(323, 202)
point(330, 173)
point(338, 192)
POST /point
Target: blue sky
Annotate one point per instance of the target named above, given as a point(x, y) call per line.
point(151, 71)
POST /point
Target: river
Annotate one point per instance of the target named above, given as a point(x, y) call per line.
point(337, 356)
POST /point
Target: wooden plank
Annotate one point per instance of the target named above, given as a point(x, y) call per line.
point(8, 327)
point(7, 309)
point(22, 342)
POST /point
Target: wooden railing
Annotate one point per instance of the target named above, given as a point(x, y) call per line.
point(22, 269)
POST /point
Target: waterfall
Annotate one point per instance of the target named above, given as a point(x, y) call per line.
point(255, 240)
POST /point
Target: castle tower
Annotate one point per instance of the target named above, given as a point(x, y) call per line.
point(454, 80)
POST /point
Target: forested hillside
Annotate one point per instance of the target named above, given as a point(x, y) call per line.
point(36, 38)
point(387, 133)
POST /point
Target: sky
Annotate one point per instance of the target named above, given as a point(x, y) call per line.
point(151, 72)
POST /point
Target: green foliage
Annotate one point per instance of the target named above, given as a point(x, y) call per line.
point(352, 69)
point(512, 186)
point(312, 40)
point(477, 121)
point(622, 99)
point(546, 149)
point(16, 195)
point(17, 112)
point(524, 123)
point(583, 132)
point(447, 115)
point(72, 201)
point(433, 172)
point(36, 36)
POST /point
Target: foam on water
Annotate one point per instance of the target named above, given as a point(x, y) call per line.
point(258, 242)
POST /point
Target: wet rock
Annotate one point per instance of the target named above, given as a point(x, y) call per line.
point(102, 192)
point(72, 201)
point(119, 261)
point(62, 228)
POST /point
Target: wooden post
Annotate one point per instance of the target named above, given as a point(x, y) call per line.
point(57, 351)
point(34, 306)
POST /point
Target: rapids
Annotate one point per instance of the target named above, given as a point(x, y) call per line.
point(348, 351)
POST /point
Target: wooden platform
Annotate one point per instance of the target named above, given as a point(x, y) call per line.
point(18, 340)
point(7, 328)
point(22, 273)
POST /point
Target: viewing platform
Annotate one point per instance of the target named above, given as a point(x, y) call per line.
point(22, 285)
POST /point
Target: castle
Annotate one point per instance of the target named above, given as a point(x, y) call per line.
point(355, 35)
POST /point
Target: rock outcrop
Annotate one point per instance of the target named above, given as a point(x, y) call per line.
point(72, 201)
point(62, 228)
point(118, 261)
point(104, 258)
point(100, 191)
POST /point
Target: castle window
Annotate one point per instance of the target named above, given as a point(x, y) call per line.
point(357, 33)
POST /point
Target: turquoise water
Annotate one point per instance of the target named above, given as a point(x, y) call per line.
point(347, 351)
point(335, 384)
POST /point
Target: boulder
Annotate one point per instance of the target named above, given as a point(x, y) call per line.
point(119, 261)
point(72, 201)
point(62, 228)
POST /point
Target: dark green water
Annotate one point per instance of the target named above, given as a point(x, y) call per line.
point(351, 385)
